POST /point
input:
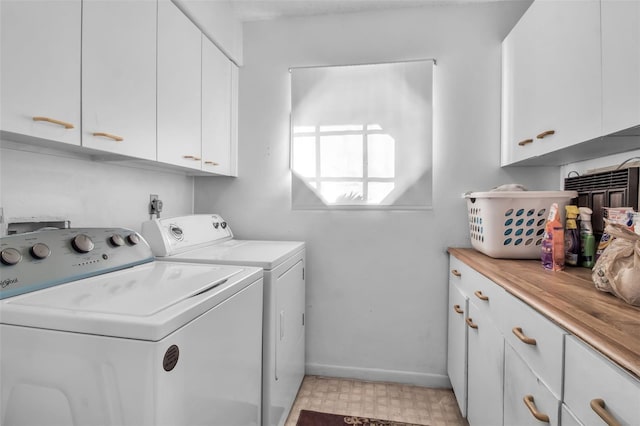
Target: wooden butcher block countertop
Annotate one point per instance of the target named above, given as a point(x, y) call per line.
point(570, 299)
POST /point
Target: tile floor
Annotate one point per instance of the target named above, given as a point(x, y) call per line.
point(386, 401)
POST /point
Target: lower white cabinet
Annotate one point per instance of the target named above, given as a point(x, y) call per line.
point(595, 390)
point(485, 369)
point(527, 401)
point(457, 345)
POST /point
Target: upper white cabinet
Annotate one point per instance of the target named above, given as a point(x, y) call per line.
point(552, 91)
point(40, 78)
point(119, 77)
point(620, 65)
point(179, 88)
point(218, 140)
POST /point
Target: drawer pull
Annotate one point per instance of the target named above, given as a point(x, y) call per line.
point(520, 335)
point(470, 323)
point(456, 273)
point(54, 121)
point(545, 134)
point(598, 406)
point(457, 309)
point(528, 401)
point(191, 157)
point(525, 142)
point(211, 163)
point(481, 296)
point(110, 136)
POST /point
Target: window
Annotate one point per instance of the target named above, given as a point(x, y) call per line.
point(361, 136)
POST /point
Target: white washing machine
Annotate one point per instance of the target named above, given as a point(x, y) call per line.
point(206, 238)
point(94, 331)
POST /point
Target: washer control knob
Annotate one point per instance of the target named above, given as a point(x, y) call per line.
point(216, 225)
point(10, 256)
point(224, 225)
point(133, 239)
point(116, 240)
point(82, 243)
point(40, 251)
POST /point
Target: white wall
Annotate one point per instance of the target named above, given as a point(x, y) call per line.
point(583, 167)
point(89, 193)
point(376, 280)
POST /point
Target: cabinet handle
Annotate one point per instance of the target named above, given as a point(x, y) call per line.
point(598, 406)
point(456, 273)
point(213, 163)
point(457, 309)
point(481, 296)
point(54, 121)
point(470, 323)
point(520, 335)
point(545, 134)
point(528, 401)
point(191, 157)
point(525, 142)
point(110, 136)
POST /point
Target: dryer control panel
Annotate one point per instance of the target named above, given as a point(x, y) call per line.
point(36, 260)
point(170, 236)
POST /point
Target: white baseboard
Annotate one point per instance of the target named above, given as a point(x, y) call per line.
point(377, 375)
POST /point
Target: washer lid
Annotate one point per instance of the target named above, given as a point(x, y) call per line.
point(145, 302)
point(262, 254)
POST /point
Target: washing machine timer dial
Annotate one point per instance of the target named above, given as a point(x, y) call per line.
point(82, 243)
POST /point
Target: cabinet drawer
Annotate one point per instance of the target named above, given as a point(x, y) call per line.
point(520, 385)
point(536, 339)
point(485, 295)
point(460, 275)
point(591, 379)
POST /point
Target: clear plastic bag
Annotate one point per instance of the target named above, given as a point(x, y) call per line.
point(617, 270)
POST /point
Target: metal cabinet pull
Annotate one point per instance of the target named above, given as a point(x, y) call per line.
point(212, 163)
point(191, 157)
point(481, 296)
point(110, 136)
point(54, 121)
point(470, 323)
point(456, 273)
point(598, 406)
point(457, 309)
point(545, 134)
point(520, 335)
point(528, 401)
point(525, 142)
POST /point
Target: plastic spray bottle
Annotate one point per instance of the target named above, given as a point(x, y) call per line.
point(587, 239)
point(571, 237)
point(552, 254)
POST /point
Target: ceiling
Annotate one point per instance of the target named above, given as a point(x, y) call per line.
point(257, 10)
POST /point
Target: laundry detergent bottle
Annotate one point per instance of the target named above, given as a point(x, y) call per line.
point(552, 253)
point(571, 237)
point(587, 239)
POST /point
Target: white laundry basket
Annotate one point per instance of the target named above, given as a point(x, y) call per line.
point(510, 224)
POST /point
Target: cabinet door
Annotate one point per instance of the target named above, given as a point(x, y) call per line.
point(40, 74)
point(119, 77)
point(552, 79)
point(485, 369)
point(457, 346)
point(620, 65)
point(527, 401)
point(179, 88)
point(216, 109)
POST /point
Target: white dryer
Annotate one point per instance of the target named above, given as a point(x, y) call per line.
point(94, 331)
point(207, 238)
